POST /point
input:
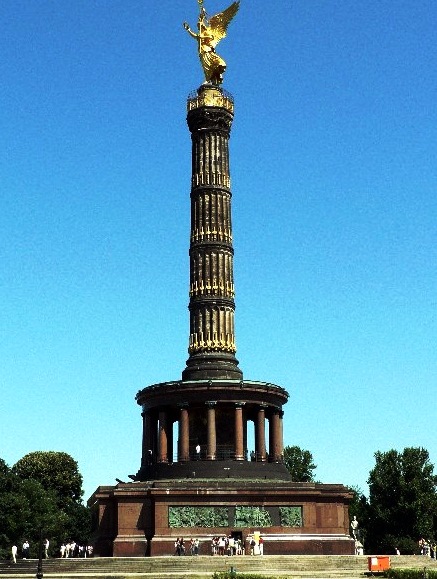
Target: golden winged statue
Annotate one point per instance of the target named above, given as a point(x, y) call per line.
point(209, 33)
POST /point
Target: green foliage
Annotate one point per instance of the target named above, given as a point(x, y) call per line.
point(26, 507)
point(78, 525)
point(299, 463)
point(30, 503)
point(411, 574)
point(235, 575)
point(4, 469)
point(403, 499)
point(56, 471)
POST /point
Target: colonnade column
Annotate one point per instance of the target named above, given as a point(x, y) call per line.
point(149, 445)
point(163, 437)
point(275, 436)
point(260, 434)
point(239, 432)
point(211, 450)
point(184, 434)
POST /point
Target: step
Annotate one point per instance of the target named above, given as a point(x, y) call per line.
point(298, 566)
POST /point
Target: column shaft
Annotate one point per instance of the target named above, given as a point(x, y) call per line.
point(184, 435)
point(146, 446)
point(275, 449)
point(163, 437)
point(211, 450)
point(239, 432)
point(261, 435)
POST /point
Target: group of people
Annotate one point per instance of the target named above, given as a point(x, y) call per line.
point(256, 546)
point(180, 549)
point(220, 545)
point(72, 549)
point(68, 549)
point(428, 548)
point(25, 550)
point(226, 546)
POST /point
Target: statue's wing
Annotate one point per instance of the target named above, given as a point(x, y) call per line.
point(219, 23)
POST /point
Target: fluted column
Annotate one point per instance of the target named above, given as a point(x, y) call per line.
point(239, 431)
point(261, 434)
point(184, 434)
point(212, 331)
point(211, 451)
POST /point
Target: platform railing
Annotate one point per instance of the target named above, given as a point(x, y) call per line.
point(223, 452)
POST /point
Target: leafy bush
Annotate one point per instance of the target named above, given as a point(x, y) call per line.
point(236, 575)
point(411, 574)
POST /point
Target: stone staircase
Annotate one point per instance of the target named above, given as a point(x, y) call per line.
point(203, 567)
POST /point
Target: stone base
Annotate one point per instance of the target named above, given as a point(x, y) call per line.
point(145, 518)
point(129, 546)
point(215, 469)
point(274, 544)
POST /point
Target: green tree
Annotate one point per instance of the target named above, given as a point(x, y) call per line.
point(4, 469)
point(42, 491)
point(403, 500)
point(299, 464)
point(25, 508)
point(56, 471)
point(78, 522)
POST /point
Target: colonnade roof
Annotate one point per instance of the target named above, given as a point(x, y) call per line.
point(250, 392)
point(216, 382)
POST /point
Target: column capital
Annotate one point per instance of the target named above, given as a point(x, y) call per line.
point(211, 403)
point(239, 404)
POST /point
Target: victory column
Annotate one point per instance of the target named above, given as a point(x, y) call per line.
point(200, 474)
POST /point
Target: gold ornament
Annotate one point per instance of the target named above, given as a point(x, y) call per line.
point(209, 33)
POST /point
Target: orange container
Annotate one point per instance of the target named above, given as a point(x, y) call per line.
point(379, 563)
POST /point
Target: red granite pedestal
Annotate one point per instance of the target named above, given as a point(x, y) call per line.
point(135, 519)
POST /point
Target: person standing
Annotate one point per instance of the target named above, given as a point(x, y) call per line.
point(355, 530)
point(14, 553)
point(26, 548)
point(176, 547)
point(46, 548)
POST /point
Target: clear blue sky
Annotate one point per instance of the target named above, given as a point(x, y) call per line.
point(334, 172)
